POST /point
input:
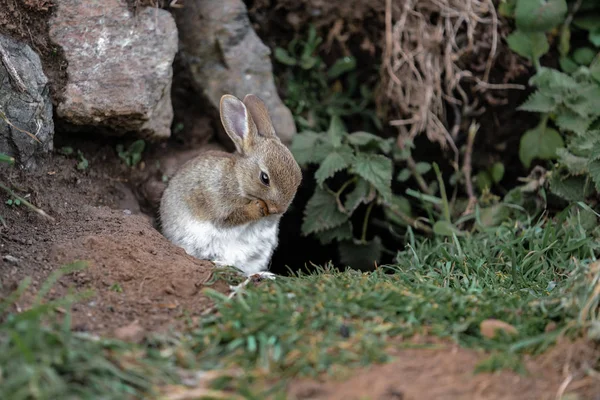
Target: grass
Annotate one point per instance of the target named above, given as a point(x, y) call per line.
point(330, 320)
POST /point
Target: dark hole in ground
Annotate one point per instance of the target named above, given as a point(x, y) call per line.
point(295, 251)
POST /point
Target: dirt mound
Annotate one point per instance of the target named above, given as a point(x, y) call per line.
point(134, 272)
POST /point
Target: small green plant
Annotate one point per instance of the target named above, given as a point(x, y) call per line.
point(491, 176)
point(133, 155)
point(315, 91)
point(15, 199)
point(116, 287)
point(568, 101)
point(364, 163)
point(82, 163)
point(13, 202)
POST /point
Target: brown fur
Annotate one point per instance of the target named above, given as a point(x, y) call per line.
point(226, 188)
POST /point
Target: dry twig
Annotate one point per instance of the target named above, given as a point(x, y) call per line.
point(12, 72)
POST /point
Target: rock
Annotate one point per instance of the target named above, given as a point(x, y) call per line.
point(490, 327)
point(120, 66)
point(11, 259)
point(25, 105)
point(226, 56)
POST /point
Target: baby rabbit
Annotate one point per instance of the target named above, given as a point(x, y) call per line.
point(226, 207)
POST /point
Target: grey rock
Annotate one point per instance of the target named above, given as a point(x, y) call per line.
point(11, 259)
point(226, 56)
point(25, 105)
point(120, 66)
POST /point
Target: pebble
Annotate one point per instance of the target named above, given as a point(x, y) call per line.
point(490, 327)
point(10, 259)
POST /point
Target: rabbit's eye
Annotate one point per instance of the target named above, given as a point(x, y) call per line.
point(264, 178)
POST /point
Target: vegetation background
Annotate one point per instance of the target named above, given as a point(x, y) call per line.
point(451, 159)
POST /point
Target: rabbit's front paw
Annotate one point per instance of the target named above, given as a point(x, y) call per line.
point(260, 208)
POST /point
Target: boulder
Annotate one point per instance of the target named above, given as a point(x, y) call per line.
point(225, 56)
point(119, 66)
point(25, 104)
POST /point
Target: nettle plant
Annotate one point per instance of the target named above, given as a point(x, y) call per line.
point(315, 92)
point(354, 169)
point(568, 101)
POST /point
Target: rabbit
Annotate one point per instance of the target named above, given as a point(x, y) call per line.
point(226, 207)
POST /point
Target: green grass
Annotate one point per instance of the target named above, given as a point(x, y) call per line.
point(330, 320)
point(41, 358)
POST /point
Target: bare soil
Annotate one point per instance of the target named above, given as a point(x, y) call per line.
point(447, 373)
point(135, 273)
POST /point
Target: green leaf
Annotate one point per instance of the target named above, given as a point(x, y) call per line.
point(506, 8)
point(594, 168)
point(138, 146)
point(357, 196)
point(585, 101)
point(584, 55)
point(445, 228)
point(529, 45)
point(595, 153)
point(497, 172)
point(553, 81)
point(588, 21)
point(135, 159)
point(398, 205)
point(576, 165)
point(334, 162)
point(67, 151)
point(307, 148)
point(595, 69)
point(341, 66)
point(336, 131)
point(5, 158)
point(570, 188)
point(539, 15)
point(361, 255)
point(308, 62)
point(377, 170)
point(363, 138)
point(493, 215)
point(538, 102)
point(422, 167)
point(584, 145)
point(484, 180)
point(540, 142)
point(322, 213)
point(567, 64)
point(284, 57)
point(339, 233)
point(83, 163)
point(594, 37)
point(569, 121)
point(404, 175)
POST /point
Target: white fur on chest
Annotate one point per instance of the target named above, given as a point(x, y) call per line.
point(248, 247)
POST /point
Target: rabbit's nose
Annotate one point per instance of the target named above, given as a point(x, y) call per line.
point(273, 209)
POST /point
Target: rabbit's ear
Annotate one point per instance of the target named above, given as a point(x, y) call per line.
point(238, 123)
point(260, 115)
